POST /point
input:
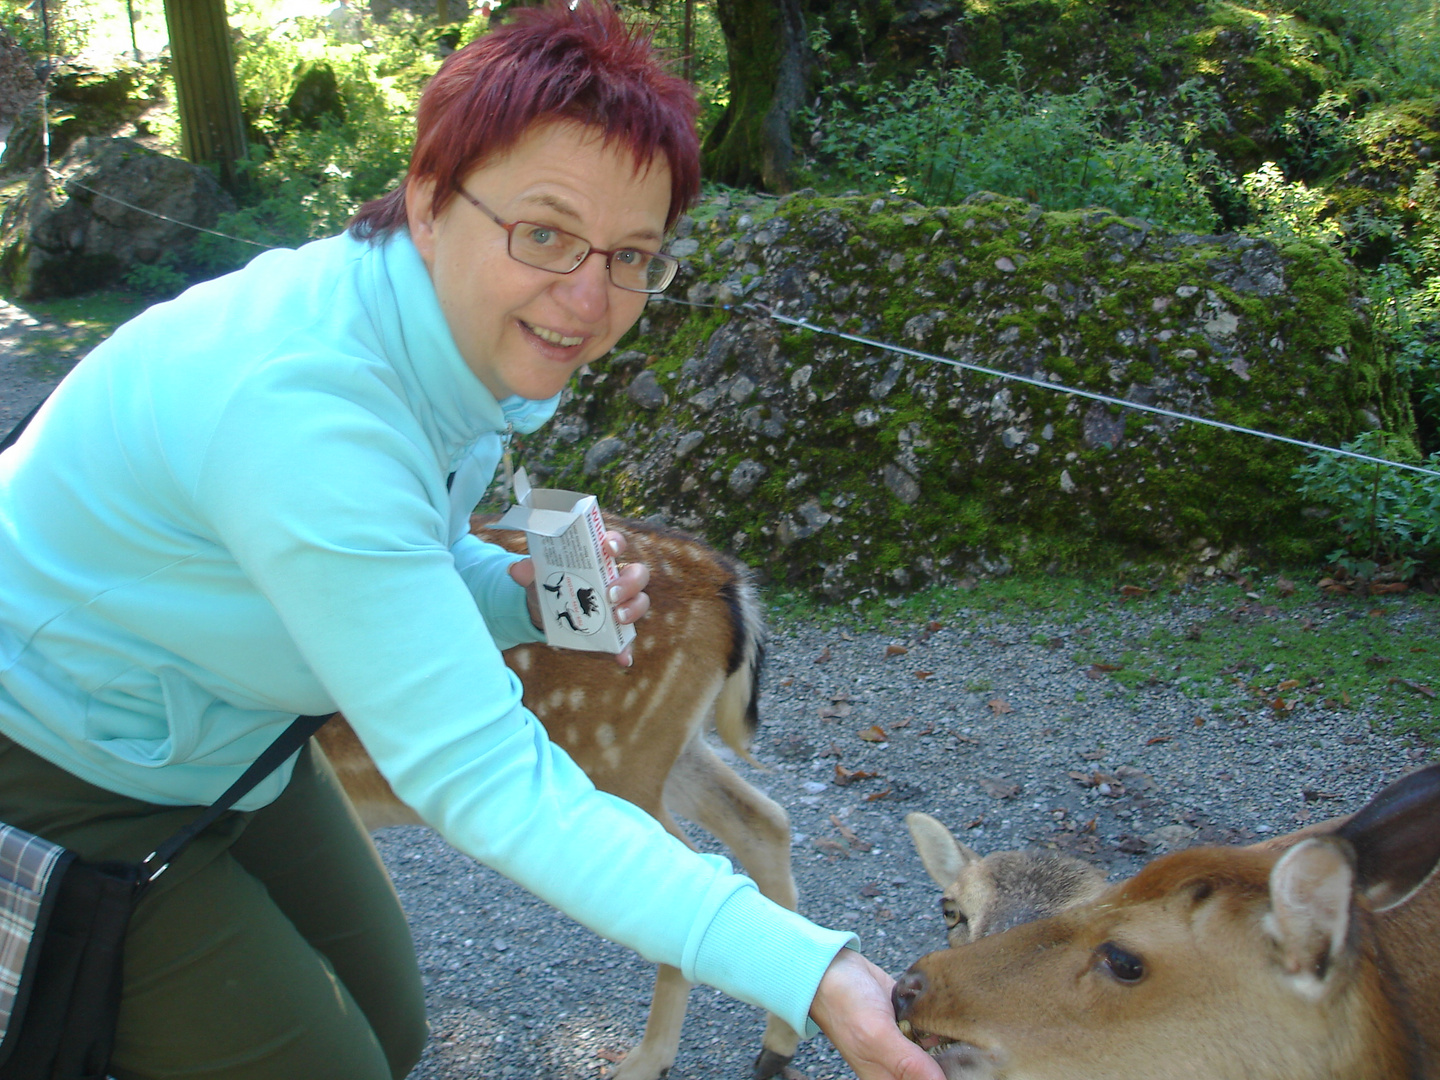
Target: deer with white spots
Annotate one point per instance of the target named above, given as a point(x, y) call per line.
point(640, 734)
point(1313, 957)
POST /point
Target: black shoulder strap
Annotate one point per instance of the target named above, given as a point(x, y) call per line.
point(290, 740)
point(9, 440)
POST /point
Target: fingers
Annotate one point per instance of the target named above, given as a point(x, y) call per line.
point(853, 1008)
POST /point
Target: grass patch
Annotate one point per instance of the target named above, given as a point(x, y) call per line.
point(1267, 643)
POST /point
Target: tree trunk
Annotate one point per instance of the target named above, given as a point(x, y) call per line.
point(751, 143)
point(212, 127)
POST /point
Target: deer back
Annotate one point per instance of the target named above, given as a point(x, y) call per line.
point(1318, 962)
point(697, 655)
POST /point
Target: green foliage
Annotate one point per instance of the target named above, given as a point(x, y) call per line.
point(1284, 211)
point(316, 161)
point(946, 134)
point(1384, 516)
point(161, 279)
point(1396, 41)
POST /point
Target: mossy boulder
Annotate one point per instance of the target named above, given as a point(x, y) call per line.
point(843, 468)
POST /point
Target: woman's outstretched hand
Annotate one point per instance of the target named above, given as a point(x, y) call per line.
point(853, 1008)
point(628, 597)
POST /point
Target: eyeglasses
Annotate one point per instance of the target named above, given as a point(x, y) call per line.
point(548, 248)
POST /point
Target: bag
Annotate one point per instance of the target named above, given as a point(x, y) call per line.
point(63, 923)
point(62, 936)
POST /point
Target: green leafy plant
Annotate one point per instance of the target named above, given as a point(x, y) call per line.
point(945, 134)
point(1384, 516)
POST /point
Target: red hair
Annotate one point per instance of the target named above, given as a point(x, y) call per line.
point(549, 63)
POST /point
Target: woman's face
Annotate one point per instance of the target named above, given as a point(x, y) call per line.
point(522, 330)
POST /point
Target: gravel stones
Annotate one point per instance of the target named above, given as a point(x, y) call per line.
point(983, 726)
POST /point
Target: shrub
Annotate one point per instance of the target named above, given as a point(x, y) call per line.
point(1384, 516)
point(943, 135)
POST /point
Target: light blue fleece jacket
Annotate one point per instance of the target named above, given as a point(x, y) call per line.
point(235, 510)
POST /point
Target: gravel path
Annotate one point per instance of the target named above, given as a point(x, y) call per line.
point(981, 722)
point(987, 742)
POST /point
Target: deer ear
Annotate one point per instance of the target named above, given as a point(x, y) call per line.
point(1310, 892)
point(941, 854)
point(1396, 837)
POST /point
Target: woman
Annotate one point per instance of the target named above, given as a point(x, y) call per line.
point(251, 502)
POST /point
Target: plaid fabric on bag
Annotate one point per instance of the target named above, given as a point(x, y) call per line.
point(26, 865)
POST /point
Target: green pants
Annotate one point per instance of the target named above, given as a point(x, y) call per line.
point(274, 948)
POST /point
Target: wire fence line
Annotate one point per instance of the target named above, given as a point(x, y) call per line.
point(763, 311)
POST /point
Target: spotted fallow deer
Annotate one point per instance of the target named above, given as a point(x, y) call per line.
point(1319, 960)
point(640, 734)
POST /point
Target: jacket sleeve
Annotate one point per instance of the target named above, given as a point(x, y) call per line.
point(485, 570)
point(351, 551)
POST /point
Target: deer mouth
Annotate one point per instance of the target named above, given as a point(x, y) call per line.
point(958, 1059)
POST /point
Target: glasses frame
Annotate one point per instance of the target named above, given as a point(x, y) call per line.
point(671, 263)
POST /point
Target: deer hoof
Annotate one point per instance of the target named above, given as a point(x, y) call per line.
point(769, 1064)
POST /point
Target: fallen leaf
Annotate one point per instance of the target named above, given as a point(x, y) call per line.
point(999, 706)
point(1384, 587)
point(1284, 586)
point(787, 682)
point(1093, 755)
point(1281, 705)
point(999, 789)
point(1345, 698)
point(878, 795)
point(1373, 662)
point(1288, 684)
point(1055, 643)
point(895, 650)
point(1199, 721)
point(934, 627)
point(1157, 740)
point(612, 1056)
point(1312, 795)
point(1133, 590)
point(1132, 845)
point(900, 724)
point(923, 674)
point(976, 823)
point(849, 834)
point(824, 657)
point(833, 848)
point(1099, 671)
point(1419, 688)
point(929, 729)
point(834, 751)
point(870, 889)
point(874, 733)
point(845, 777)
point(835, 711)
point(844, 636)
point(966, 738)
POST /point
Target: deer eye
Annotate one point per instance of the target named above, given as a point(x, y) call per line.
point(953, 915)
point(1123, 965)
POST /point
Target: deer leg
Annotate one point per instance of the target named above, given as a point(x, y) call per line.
point(655, 1053)
point(703, 789)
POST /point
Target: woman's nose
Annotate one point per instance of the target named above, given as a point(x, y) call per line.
point(586, 289)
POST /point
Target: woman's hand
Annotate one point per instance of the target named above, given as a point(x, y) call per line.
point(628, 597)
point(853, 1008)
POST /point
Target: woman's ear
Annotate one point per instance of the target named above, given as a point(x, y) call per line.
point(420, 216)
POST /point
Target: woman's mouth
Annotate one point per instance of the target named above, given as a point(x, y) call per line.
point(554, 337)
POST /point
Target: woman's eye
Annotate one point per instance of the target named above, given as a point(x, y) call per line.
point(1124, 965)
point(630, 257)
point(540, 236)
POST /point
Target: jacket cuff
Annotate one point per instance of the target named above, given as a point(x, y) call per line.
point(759, 952)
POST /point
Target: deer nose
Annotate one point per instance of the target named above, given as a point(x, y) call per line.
point(908, 989)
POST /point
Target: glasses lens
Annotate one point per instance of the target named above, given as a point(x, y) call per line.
point(641, 271)
point(547, 248)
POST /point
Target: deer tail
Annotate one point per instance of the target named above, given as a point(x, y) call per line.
point(737, 715)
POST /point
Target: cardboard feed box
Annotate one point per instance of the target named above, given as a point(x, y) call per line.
point(573, 568)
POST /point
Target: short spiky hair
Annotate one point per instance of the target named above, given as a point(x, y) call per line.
point(548, 63)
